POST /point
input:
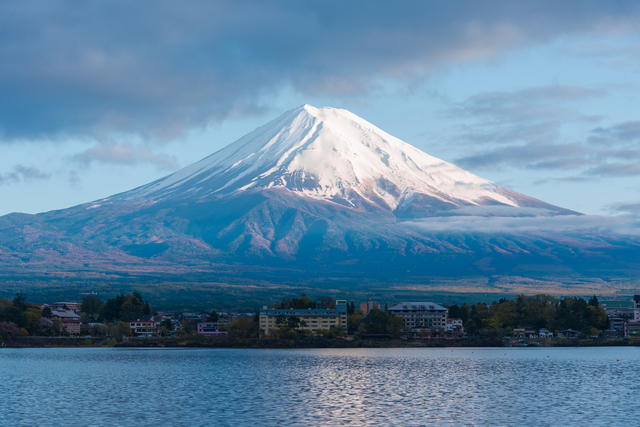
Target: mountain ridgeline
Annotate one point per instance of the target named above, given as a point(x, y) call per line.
point(318, 189)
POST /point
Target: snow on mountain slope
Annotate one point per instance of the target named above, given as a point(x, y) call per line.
point(333, 155)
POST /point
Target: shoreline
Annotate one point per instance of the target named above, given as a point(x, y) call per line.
point(249, 343)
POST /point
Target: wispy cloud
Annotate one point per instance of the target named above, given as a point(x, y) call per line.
point(530, 223)
point(629, 208)
point(125, 154)
point(523, 129)
point(23, 174)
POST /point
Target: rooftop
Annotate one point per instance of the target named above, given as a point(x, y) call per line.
point(419, 305)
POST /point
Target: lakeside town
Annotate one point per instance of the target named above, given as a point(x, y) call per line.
point(129, 320)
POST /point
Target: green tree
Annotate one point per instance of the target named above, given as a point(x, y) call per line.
point(281, 319)
point(91, 305)
point(131, 309)
point(110, 311)
point(213, 316)
point(351, 308)
point(20, 301)
point(376, 322)
point(294, 322)
point(137, 295)
point(46, 312)
point(594, 301)
point(396, 323)
point(354, 322)
point(123, 329)
point(166, 323)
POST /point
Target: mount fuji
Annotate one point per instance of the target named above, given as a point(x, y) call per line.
point(332, 155)
point(317, 189)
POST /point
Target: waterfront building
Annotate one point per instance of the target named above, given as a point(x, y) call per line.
point(570, 333)
point(70, 320)
point(422, 314)
point(545, 333)
point(366, 307)
point(455, 328)
point(314, 319)
point(209, 329)
point(145, 326)
point(624, 309)
point(73, 306)
point(524, 332)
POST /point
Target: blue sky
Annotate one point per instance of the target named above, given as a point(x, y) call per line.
point(100, 97)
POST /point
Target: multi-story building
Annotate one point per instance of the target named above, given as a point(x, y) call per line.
point(422, 314)
point(73, 306)
point(209, 329)
point(622, 309)
point(314, 319)
point(145, 326)
point(633, 326)
point(454, 327)
point(70, 320)
point(366, 307)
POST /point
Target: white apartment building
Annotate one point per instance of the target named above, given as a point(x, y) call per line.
point(422, 314)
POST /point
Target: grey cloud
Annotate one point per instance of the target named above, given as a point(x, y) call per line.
point(535, 103)
point(523, 129)
point(96, 67)
point(615, 169)
point(23, 173)
point(631, 208)
point(531, 155)
point(626, 131)
point(126, 154)
point(624, 225)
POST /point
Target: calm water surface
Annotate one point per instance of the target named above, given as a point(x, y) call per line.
point(406, 387)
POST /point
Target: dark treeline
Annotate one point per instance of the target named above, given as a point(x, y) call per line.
point(21, 318)
point(305, 302)
point(537, 311)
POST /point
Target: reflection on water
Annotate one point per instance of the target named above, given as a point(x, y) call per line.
point(462, 387)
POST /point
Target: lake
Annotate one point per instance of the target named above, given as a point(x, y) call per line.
point(302, 387)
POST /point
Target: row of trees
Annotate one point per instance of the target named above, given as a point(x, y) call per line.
point(21, 318)
point(379, 322)
point(537, 311)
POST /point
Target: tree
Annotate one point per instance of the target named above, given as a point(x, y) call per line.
point(20, 301)
point(294, 322)
point(147, 309)
point(376, 322)
point(123, 329)
point(396, 323)
point(166, 323)
point(138, 296)
point(281, 319)
point(45, 326)
point(46, 312)
point(213, 316)
point(91, 305)
point(351, 308)
point(594, 301)
point(354, 322)
point(9, 330)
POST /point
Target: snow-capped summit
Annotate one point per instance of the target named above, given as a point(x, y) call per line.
point(332, 155)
